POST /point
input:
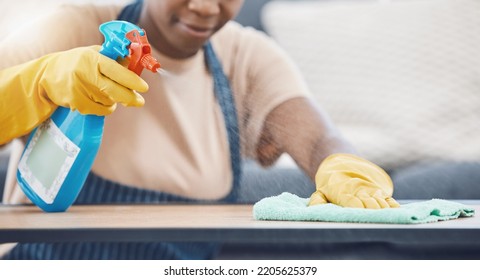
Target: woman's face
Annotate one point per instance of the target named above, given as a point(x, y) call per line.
point(179, 28)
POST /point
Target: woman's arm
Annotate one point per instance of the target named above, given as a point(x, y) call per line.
point(301, 129)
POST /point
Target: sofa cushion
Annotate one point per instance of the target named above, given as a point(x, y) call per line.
point(401, 79)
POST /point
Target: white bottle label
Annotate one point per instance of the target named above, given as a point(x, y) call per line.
point(47, 161)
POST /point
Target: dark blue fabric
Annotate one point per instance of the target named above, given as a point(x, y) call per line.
point(131, 12)
point(98, 190)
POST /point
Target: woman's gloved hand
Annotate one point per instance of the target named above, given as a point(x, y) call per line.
point(80, 79)
point(351, 181)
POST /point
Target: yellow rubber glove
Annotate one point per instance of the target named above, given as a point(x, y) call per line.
point(80, 79)
point(351, 181)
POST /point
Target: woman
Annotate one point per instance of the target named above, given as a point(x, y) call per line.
point(229, 92)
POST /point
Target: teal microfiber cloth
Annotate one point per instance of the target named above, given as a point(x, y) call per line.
point(289, 207)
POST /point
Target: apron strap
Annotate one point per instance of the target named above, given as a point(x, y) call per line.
point(131, 12)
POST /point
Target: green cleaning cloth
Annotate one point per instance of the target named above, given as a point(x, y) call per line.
point(289, 207)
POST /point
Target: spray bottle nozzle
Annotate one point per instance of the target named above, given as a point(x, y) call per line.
point(140, 53)
point(149, 62)
point(124, 39)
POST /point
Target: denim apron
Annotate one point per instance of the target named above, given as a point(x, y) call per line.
point(98, 190)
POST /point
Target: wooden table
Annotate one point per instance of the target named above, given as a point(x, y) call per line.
point(224, 223)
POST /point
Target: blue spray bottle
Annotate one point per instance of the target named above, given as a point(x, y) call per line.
point(60, 152)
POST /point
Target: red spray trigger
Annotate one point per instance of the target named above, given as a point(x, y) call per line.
point(140, 53)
